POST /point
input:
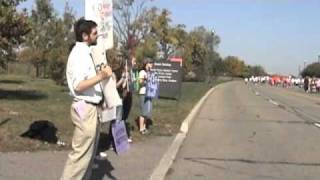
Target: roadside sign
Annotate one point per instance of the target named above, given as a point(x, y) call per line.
point(170, 78)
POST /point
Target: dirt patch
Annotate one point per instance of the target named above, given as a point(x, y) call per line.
point(2, 109)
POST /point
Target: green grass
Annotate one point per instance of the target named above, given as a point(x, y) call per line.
point(24, 100)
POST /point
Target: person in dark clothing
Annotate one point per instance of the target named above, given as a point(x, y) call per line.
point(306, 84)
point(125, 90)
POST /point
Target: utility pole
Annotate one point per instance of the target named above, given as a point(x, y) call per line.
point(212, 36)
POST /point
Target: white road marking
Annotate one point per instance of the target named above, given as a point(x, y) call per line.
point(273, 102)
point(317, 124)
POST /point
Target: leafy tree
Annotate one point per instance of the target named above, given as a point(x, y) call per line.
point(312, 70)
point(49, 50)
point(13, 28)
point(164, 33)
point(62, 39)
point(149, 31)
point(131, 23)
point(234, 66)
point(195, 52)
point(216, 64)
point(257, 70)
point(199, 55)
point(40, 39)
point(147, 48)
point(159, 35)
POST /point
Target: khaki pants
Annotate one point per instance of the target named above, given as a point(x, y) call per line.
point(84, 144)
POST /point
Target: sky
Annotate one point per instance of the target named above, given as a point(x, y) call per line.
point(280, 35)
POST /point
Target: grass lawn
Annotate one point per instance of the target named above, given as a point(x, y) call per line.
point(24, 100)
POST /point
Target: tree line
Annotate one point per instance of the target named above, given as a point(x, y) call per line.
point(42, 38)
point(311, 70)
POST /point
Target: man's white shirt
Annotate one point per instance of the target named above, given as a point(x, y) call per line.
point(80, 67)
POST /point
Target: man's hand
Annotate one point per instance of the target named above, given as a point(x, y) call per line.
point(105, 72)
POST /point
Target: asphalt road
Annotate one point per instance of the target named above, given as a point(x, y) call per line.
point(136, 164)
point(248, 132)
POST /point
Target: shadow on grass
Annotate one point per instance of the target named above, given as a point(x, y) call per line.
point(42, 130)
point(169, 98)
point(22, 95)
point(11, 81)
point(2, 122)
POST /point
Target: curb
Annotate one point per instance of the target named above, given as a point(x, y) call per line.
point(159, 173)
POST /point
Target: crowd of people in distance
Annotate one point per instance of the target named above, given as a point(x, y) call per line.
point(309, 84)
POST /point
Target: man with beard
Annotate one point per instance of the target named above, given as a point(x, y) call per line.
point(83, 82)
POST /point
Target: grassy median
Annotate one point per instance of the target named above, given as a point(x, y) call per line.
point(24, 100)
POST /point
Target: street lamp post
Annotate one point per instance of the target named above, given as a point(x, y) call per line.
point(212, 35)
